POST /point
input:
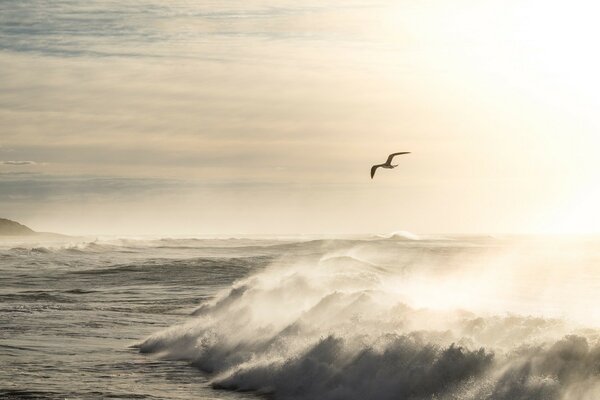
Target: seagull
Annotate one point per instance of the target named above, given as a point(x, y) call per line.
point(387, 164)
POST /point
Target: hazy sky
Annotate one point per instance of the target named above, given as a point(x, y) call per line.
point(256, 116)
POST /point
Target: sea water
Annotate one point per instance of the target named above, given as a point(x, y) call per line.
point(378, 317)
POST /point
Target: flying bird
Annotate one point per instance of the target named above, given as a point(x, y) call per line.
point(388, 163)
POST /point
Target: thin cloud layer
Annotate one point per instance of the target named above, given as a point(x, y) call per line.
point(18, 163)
point(44, 188)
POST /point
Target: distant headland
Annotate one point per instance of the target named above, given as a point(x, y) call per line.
point(13, 228)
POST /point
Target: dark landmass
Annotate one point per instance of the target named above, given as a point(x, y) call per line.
point(12, 228)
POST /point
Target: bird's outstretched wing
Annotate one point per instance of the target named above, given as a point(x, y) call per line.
point(374, 168)
point(391, 156)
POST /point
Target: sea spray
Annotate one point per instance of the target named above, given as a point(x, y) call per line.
point(336, 324)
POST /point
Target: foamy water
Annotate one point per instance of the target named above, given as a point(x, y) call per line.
point(394, 317)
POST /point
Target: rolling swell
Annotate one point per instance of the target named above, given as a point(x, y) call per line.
point(205, 271)
point(69, 313)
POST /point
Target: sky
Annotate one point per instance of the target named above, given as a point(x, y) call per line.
point(263, 116)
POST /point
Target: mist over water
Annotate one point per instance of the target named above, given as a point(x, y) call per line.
point(453, 318)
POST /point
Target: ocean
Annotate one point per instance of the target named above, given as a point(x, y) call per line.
point(299, 317)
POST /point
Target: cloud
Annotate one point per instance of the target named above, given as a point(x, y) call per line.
point(19, 162)
point(134, 31)
point(44, 188)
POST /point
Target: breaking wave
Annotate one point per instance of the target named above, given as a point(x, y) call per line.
point(341, 326)
point(401, 235)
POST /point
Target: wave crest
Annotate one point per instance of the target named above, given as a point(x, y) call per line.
point(328, 327)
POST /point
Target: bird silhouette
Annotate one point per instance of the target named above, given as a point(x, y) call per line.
point(388, 163)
